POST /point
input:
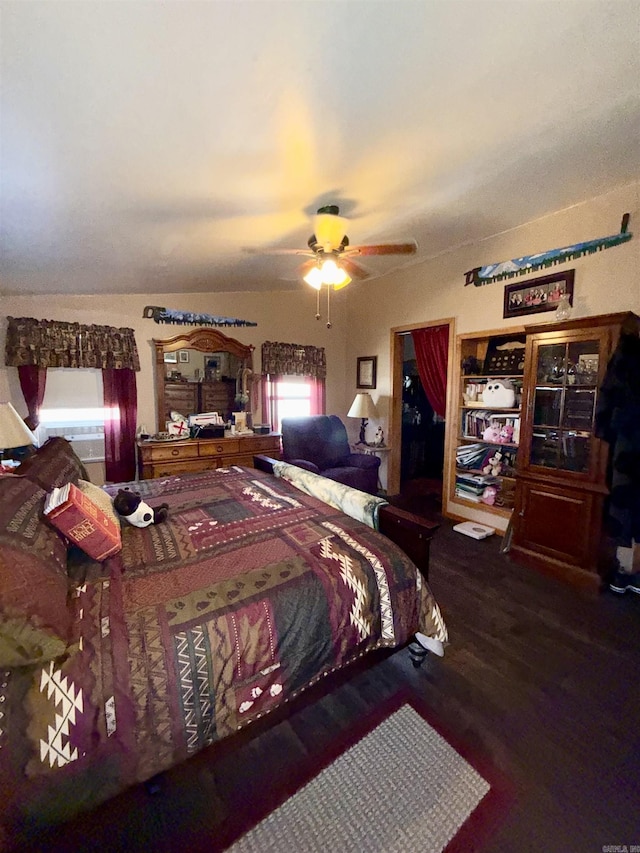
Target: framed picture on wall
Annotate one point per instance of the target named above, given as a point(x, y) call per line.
point(538, 294)
point(183, 356)
point(171, 358)
point(366, 372)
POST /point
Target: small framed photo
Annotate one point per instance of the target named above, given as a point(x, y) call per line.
point(366, 372)
point(183, 356)
point(538, 294)
point(171, 358)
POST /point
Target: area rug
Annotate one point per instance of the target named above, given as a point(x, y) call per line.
point(401, 787)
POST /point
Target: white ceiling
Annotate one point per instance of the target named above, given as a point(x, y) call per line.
point(144, 145)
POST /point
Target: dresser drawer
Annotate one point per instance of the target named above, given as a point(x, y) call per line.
point(259, 445)
point(173, 469)
point(169, 450)
point(219, 448)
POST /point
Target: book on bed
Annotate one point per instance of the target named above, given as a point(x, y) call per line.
point(78, 518)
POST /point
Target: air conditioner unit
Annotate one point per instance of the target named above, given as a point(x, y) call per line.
point(87, 442)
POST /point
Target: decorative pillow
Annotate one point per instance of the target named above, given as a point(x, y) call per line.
point(53, 464)
point(34, 619)
point(71, 511)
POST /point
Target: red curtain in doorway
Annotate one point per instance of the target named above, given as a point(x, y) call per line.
point(33, 380)
point(121, 403)
point(432, 350)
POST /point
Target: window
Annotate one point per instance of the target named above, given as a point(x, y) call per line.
point(73, 407)
point(289, 397)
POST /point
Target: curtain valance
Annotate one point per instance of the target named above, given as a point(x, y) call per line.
point(51, 343)
point(280, 359)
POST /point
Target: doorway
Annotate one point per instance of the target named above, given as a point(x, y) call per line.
point(416, 466)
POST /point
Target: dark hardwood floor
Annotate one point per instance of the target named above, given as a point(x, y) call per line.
point(543, 680)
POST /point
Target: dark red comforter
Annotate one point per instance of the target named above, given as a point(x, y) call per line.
point(248, 593)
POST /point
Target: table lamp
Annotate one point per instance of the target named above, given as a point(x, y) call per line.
point(363, 407)
point(14, 433)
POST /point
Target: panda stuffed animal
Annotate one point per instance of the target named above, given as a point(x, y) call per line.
point(136, 512)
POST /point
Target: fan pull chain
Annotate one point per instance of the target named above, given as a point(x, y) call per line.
point(328, 306)
point(317, 304)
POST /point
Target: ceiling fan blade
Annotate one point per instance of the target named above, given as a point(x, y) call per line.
point(383, 249)
point(255, 251)
point(354, 269)
point(304, 268)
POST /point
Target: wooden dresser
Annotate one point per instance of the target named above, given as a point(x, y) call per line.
point(166, 458)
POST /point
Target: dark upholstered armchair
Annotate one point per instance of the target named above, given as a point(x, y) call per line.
point(319, 443)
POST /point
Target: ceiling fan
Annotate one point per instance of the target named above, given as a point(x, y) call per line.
point(331, 254)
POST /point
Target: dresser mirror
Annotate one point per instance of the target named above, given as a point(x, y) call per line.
point(198, 372)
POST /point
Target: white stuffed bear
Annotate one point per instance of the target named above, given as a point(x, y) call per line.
point(499, 394)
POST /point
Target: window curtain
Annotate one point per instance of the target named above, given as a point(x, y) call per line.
point(268, 401)
point(33, 381)
point(270, 412)
point(52, 343)
point(317, 396)
point(280, 359)
point(432, 350)
point(121, 404)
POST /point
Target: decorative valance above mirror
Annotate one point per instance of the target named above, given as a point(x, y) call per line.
point(198, 372)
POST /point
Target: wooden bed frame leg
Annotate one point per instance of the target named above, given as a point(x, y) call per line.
point(417, 654)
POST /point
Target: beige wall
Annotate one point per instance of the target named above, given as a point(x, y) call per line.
point(364, 313)
point(607, 281)
point(281, 316)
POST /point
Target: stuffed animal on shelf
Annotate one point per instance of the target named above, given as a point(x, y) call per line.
point(489, 495)
point(136, 512)
point(499, 394)
point(506, 434)
point(492, 432)
point(494, 465)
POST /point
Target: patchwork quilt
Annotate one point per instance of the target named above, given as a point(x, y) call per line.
point(249, 592)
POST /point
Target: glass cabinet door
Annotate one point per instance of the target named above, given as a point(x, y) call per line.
point(564, 405)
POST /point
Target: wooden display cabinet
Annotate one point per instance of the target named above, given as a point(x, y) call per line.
point(558, 523)
point(471, 454)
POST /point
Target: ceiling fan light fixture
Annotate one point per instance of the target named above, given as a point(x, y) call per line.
point(344, 281)
point(314, 277)
point(329, 230)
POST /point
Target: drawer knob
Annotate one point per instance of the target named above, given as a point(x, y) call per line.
point(175, 452)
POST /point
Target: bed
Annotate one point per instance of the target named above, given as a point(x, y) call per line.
point(250, 592)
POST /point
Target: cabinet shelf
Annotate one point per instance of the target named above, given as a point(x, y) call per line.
point(487, 377)
point(476, 440)
point(498, 510)
point(495, 410)
point(464, 471)
point(469, 416)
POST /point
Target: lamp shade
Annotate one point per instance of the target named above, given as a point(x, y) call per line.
point(363, 407)
point(13, 430)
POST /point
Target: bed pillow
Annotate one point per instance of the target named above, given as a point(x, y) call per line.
point(53, 464)
point(34, 618)
point(84, 514)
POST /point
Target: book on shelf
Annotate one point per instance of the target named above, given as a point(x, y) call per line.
point(476, 480)
point(78, 518)
point(468, 496)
